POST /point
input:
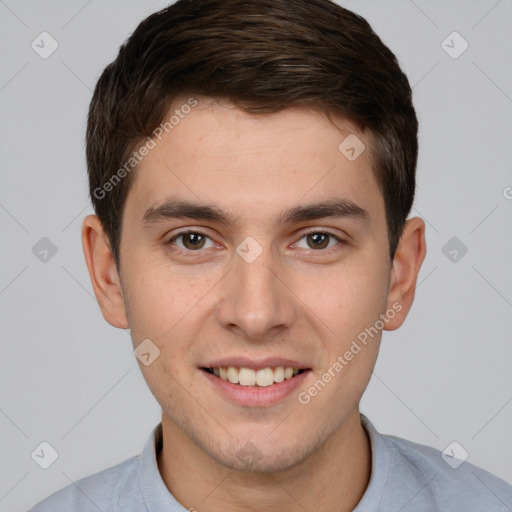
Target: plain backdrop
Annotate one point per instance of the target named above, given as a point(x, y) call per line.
point(69, 379)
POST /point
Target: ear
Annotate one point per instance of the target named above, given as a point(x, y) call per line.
point(102, 270)
point(409, 256)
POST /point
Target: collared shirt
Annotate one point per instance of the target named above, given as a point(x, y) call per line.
point(405, 477)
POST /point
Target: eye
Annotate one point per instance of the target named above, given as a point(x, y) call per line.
point(191, 240)
point(317, 240)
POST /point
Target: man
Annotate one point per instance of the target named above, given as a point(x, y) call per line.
point(252, 166)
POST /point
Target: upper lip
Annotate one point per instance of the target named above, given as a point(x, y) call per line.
point(255, 364)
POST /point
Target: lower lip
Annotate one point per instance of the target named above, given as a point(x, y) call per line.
point(256, 395)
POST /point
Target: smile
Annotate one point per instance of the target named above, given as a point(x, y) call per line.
point(253, 377)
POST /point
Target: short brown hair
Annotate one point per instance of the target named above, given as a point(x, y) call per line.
point(263, 56)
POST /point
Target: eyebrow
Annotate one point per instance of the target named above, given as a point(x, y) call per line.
point(179, 208)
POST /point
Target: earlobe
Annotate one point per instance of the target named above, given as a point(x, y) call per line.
point(408, 259)
point(103, 273)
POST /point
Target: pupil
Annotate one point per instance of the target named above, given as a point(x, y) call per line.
point(194, 240)
point(318, 237)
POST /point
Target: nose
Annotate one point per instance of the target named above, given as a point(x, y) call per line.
point(256, 301)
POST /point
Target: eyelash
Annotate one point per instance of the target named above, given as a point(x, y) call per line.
point(188, 252)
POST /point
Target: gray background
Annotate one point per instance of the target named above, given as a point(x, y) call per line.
point(70, 379)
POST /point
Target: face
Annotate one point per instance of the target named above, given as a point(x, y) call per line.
point(230, 265)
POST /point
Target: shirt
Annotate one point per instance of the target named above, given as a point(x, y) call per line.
point(405, 477)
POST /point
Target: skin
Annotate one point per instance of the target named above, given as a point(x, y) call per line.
point(294, 301)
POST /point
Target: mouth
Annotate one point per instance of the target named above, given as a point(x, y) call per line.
point(255, 378)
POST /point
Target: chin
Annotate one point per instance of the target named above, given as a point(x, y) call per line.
point(261, 457)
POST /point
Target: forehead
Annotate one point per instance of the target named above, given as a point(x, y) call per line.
point(255, 165)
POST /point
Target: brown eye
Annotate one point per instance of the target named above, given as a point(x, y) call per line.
point(190, 240)
point(193, 240)
point(318, 240)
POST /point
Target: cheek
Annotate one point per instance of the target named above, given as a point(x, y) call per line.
point(165, 306)
point(354, 299)
point(160, 298)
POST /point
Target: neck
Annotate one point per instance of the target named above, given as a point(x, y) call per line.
point(332, 479)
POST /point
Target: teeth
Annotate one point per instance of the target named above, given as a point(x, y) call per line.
point(249, 377)
point(265, 377)
point(279, 374)
point(233, 375)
